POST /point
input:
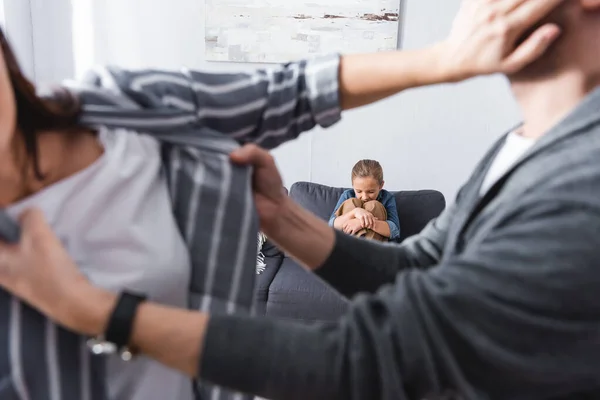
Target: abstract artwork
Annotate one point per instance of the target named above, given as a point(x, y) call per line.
point(272, 31)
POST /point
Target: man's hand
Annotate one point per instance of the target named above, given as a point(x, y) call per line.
point(367, 220)
point(295, 230)
point(353, 226)
point(269, 194)
point(486, 33)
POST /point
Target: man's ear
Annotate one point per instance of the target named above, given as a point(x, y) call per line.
point(590, 5)
point(381, 186)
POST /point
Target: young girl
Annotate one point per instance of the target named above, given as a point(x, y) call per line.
point(367, 209)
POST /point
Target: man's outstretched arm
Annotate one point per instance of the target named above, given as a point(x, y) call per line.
point(514, 316)
point(272, 106)
point(314, 244)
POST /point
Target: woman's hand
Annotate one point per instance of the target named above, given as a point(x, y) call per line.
point(487, 36)
point(367, 220)
point(39, 271)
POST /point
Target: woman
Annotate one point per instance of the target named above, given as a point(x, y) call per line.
point(367, 210)
point(268, 358)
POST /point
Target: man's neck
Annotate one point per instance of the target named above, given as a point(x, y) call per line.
point(544, 103)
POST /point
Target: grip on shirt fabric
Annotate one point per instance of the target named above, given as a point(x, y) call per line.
point(10, 231)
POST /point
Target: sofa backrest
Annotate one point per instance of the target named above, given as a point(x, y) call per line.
point(415, 208)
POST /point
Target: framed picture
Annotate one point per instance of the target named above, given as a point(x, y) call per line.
point(274, 31)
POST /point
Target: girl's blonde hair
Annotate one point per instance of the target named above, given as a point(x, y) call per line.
point(368, 168)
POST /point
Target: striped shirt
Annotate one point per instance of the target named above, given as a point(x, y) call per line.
point(199, 117)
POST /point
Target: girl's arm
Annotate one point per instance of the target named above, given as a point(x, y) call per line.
point(338, 222)
point(382, 227)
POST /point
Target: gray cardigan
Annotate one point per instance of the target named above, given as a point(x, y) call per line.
point(499, 298)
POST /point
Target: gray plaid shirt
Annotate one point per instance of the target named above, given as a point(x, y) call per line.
point(200, 117)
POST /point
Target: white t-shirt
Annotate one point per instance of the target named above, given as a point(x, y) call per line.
point(514, 148)
point(115, 219)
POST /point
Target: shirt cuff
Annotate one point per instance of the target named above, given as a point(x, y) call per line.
point(322, 82)
point(394, 230)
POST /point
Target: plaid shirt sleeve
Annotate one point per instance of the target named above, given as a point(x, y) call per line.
point(267, 107)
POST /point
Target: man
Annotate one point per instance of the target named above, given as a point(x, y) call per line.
point(497, 298)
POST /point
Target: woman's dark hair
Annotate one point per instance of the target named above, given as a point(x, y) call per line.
point(57, 111)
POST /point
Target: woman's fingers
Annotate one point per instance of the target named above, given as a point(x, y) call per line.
point(532, 49)
point(506, 6)
point(486, 33)
point(517, 12)
point(6, 262)
point(12, 256)
point(529, 12)
point(35, 228)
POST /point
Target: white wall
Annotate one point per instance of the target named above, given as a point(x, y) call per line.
point(40, 32)
point(446, 126)
point(18, 29)
point(425, 138)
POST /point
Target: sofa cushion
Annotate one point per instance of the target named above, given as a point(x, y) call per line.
point(294, 293)
point(264, 280)
point(298, 294)
point(415, 208)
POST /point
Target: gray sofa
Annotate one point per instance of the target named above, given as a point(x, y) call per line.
point(286, 290)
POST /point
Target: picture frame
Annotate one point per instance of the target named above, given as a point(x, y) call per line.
point(276, 31)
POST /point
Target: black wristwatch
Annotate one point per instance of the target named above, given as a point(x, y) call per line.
point(119, 327)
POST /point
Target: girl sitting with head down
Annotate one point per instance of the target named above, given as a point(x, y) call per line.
point(367, 210)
